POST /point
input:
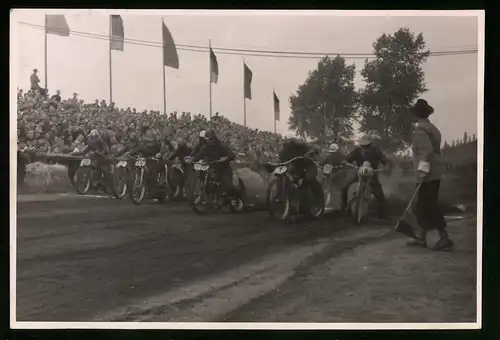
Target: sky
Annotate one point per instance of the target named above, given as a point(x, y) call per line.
point(81, 64)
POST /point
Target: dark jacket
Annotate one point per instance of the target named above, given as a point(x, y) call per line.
point(181, 152)
point(199, 145)
point(147, 149)
point(333, 158)
point(213, 152)
point(372, 154)
point(97, 145)
point(293, 149)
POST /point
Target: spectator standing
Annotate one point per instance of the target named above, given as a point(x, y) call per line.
point(34, 80)
point(426, 146)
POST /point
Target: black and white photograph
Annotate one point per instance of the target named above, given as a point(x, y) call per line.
point(246, 169)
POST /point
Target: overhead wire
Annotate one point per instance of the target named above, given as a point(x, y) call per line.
point(248, 52)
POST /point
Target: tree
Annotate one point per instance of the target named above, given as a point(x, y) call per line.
point(325, 105)
point(466, 139)
point(474, 138)
point(394, 80)
point(446, 145)
point(453, 143)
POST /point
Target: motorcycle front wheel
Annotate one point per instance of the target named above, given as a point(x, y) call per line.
point(83, 179)
point(200, 198)
point(359, 205)
point(137, 190)
point(120, 183)
point(278, 199)
point(316, 202)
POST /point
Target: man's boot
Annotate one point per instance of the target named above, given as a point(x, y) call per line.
point(421, 240)
point(444, 243)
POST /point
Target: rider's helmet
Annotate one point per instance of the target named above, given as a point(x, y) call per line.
point(203, 133)
point(333, 148)
point(149, 136)
point(94, 134)
point(181, 142)
point(210, 136)
point(365, 141)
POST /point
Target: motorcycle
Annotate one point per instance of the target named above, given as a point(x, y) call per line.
point(138, 182)
point(291, 192)
point(328, 175)
point(207, 192)
point(89, 175)
point(359, 204)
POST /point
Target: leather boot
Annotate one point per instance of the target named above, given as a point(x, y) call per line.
point(421, 240)
point(444, 243)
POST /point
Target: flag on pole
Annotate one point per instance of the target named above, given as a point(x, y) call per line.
point(214, 67)
point(56, 24)
point(117, 33)
point(170, 57)
point(247, 81)
point(276, 107)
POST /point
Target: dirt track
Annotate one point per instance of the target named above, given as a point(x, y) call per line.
point(99, 259)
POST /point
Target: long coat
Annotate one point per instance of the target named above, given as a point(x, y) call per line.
point(426, 147)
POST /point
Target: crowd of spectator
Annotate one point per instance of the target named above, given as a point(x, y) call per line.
point(49, 124)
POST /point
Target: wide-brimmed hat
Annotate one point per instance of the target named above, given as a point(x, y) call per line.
point(365, 140)
point(422, 108)
point(333, 148)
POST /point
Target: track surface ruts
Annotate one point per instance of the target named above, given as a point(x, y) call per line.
point(81, 257)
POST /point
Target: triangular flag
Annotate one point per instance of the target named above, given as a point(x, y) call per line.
point(214, 67)
point(56, 24)
point(247, 81)
point(276, 107)
point(117, 33)
point(170, 57)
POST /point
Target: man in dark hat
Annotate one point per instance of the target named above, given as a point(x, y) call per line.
point(426, 146)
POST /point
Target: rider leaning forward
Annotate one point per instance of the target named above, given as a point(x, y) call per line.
point(215, 150)
point(101, 151)
point(366, 151)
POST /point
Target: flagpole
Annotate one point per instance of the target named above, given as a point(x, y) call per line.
point(210, 74)
point(244, 100)
point(163, 68)
point(110, 68)
point(274, 115)
point(46, 51)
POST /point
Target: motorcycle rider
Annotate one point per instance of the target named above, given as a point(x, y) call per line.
point(132, 143)
point(305, 169)
point(101, 151)
point(333, 157)
point(200, 144)
point(366, 151)
point(214, 150)
point(150, 147)
point(181, 152)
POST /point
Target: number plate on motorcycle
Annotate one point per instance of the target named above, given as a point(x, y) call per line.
point(122, 164)
point(365, 171)
point(85, 162)
point(201, 167)
point(140, 162)
point(327, 169)
point(280, 170)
